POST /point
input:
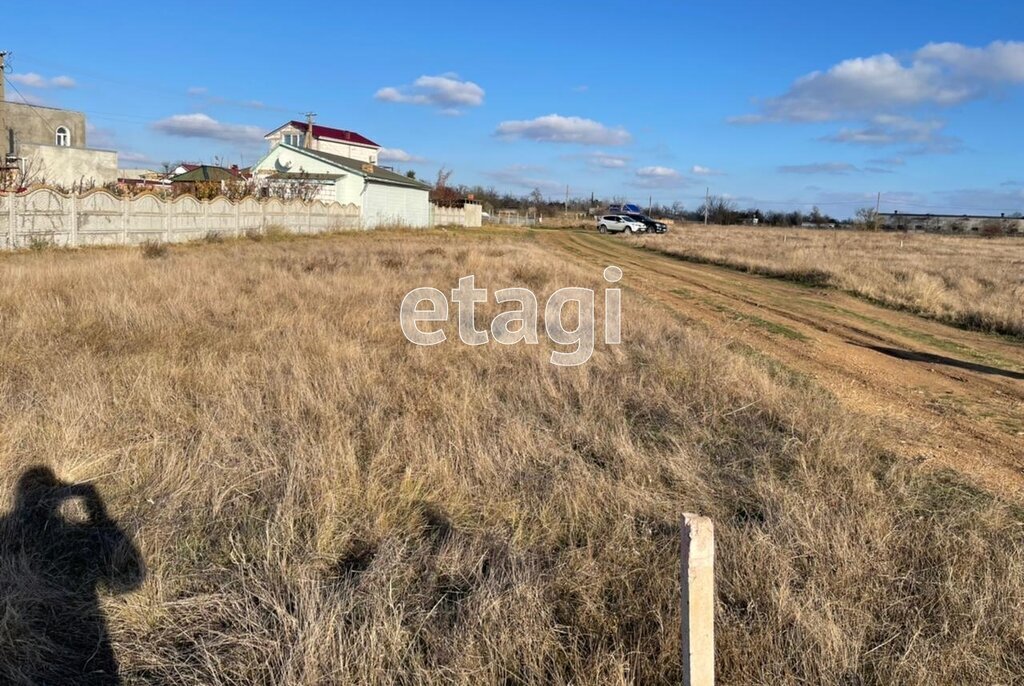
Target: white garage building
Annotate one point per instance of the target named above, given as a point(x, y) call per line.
point(384, 197)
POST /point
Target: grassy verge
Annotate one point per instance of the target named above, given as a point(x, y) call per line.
point(318, 501)
point(967, 282)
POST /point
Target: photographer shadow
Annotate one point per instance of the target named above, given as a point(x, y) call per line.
point(58, 549)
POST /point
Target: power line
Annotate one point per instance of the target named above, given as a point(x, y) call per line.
point(35, 108)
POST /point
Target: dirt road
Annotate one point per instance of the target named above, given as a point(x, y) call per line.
point(941, 395)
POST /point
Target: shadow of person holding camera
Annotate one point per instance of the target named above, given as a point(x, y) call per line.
point(58, 549)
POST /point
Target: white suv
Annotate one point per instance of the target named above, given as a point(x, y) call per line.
point(616, 223)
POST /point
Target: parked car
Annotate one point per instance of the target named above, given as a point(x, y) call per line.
point(651, 225)
point(618, 223)
point(626, 208)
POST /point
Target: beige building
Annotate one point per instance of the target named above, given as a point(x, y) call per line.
point(48, 145)
point(324, 139)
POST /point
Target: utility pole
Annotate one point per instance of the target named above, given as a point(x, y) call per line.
point(309, 130)
point(650, 202)
point(567, 198)
point(707, 198)
point(3, 70)
point(11, 147)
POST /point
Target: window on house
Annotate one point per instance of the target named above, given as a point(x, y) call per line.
point(63, 137)
point(295, 139)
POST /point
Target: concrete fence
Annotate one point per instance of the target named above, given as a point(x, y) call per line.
point(470, 215)
point(100, 218)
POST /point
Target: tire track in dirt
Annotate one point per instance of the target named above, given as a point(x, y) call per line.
point(947, 397)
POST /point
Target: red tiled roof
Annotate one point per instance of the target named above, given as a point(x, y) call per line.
point(336, 134)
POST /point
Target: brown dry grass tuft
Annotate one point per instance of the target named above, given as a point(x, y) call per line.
point(968, 282)
point(318, 501)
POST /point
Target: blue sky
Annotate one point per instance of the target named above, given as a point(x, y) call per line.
point(778, 104)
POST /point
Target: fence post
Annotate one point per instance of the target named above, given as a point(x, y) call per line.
point(125, 206)
point(698, 600)
point(10, 224)
point(238, 219)
point(73, 238)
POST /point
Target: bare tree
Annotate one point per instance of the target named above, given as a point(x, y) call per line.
point(443, 194)
point(20, 176)
point(867, 218)
point(720, 210)
point(536, 197)
point(817, 218)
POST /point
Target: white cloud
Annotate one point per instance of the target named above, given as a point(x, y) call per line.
point(999, 61)
point(30, 79)
point(981, 201)
point(203, 126)
point(888, 161)
point(397, 155)
point(526, 176)
point(659, 177)
point(554, 128)
point(657, 172)
point(204, 97)
point(700, 170)
point(447, 92)
point(937, 74)
point(892, 129)
point(27, 98)
point(605, 161)
point(747, 119)
point(835, 168)
point(63, 82)
point(33, 80)
point(133, 157)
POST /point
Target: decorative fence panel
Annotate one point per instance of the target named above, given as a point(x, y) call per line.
point(100, 218)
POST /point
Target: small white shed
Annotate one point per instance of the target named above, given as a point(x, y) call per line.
point(384, 197)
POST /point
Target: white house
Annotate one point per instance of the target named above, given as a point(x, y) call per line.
point(324, 139)
point(384, 197)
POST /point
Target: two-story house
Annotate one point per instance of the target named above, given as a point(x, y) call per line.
point(312, 136)
point(342, 165)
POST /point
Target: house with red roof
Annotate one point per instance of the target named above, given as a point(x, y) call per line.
point(384, 197)
point(310, 136)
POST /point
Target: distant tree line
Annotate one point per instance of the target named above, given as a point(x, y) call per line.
point(721, 210)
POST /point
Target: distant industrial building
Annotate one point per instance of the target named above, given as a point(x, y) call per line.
point(952, 223)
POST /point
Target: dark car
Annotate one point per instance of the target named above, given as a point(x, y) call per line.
point(652, 226)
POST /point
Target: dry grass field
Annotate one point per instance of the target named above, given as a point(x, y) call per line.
point(317, 501)
point(969, 282)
